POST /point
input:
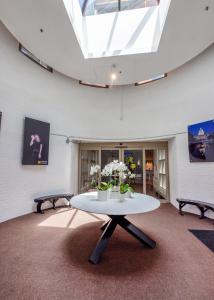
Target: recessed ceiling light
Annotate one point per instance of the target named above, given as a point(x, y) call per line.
point(113, 76)
point(113, 73)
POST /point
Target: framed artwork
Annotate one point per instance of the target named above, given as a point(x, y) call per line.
point(36, 142)
point(201, 142)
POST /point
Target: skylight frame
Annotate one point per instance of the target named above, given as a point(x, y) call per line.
point(127, 32)
point(86, 4)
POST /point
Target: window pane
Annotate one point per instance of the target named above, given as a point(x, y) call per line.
point(88, 158)
point(134, 161)
point(107, 156)
point(132, 4)
point(94, 7)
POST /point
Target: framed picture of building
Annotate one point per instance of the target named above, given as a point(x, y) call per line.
point(36, 142)
point(201, 142)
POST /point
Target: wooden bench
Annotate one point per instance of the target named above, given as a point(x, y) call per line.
point(202, 206)
point(53, 199)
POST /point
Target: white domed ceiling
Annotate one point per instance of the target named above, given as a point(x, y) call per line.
point(86, 47)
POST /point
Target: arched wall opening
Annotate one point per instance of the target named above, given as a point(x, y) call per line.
point(160, 110)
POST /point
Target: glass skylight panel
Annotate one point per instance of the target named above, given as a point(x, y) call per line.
point(106, 28)
point(96, 7)
point(132, 4)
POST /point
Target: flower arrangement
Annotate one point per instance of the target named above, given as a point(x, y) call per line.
point(94, 169)
point(94, 172)
point(115, 169)
point(119, 174)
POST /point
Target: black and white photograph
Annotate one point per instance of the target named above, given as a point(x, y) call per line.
point(36, 142)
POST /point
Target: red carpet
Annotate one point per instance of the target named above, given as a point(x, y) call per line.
point(45, 257)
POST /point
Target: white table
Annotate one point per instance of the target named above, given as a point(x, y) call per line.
point(116, 211)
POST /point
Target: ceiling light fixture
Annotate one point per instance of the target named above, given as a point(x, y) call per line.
point(113, 76)
point(113, 72)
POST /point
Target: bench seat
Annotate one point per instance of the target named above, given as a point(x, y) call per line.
point(202, 206)
point(53, 199)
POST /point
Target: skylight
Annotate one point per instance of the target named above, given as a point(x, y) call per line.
point(107, 28)
point(96, 7)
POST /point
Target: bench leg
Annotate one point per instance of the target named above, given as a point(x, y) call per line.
point(202, 212)
point(54, 203)
point(39, 210)
point(181, 205)
point(69, 201)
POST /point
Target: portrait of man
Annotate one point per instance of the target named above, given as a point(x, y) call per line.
point(36, 142)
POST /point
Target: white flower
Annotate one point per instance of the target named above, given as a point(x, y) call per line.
point(115, 168)
point(94, 169)
point(122, 175)
point(132, 175)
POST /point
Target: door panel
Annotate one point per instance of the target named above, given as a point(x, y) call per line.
point(87, 159)
point(107, 156)
point(133, 158)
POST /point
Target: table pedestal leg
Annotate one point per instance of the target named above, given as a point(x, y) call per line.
point(103, 242)
point(137, 233)
point(108, 229)
point(103, 227)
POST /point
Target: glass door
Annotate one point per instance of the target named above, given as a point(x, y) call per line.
point(150, 166)
point(133, 158)
point(156, 173)
point(107, 156)
point(162, 174)
point(149, 170)
point(87, 159)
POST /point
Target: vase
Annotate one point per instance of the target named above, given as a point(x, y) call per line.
point(115, 192)
point(128, 194)
point(122, 197)
point(125, 195)
point(102, 195)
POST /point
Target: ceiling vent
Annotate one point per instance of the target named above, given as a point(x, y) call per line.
point(32, 57)
point(102, 86)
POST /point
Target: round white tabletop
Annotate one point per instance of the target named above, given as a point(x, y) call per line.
point(139, 203)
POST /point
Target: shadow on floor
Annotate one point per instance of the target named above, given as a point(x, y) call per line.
point(123, 256)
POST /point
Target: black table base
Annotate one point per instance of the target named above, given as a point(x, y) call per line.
point(108, 229)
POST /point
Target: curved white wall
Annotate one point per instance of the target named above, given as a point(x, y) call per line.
point(161, 108)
